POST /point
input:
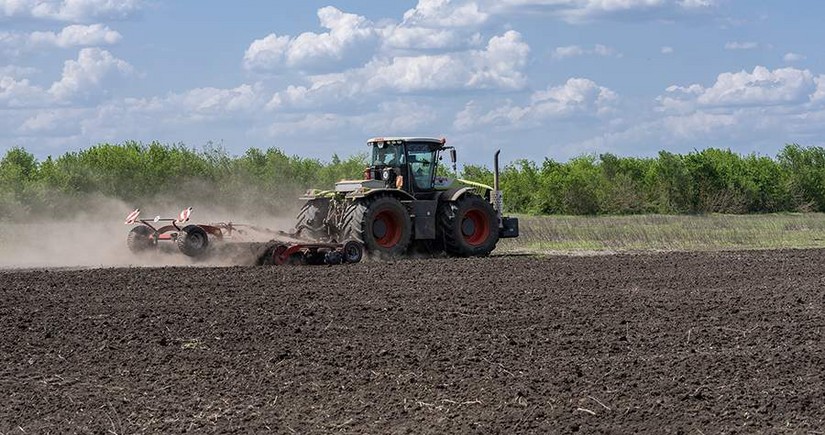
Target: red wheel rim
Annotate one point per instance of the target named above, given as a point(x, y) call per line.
point(475, 227)
point(390, 223)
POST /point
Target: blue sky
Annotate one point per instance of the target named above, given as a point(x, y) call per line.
point(537, 78)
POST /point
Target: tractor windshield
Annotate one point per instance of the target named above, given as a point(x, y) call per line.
point(387, 155)
point(422, 164)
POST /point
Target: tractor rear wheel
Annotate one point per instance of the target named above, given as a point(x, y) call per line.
point(381, 224)
point(140, 239)
point(468, 226)
point(193, 241)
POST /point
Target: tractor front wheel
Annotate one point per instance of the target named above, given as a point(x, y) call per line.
point(193, 241)
point(381, 224)
point(310, 221)
point(469, 227)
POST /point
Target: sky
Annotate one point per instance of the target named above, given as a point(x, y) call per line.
point(535, 78)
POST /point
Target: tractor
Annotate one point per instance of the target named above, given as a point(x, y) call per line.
point(403, 205)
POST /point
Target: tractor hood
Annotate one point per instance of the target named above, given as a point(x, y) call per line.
point(353, 185)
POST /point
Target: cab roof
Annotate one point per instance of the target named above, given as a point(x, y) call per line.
point(439, 141)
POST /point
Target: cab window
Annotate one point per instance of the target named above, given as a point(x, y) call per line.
point(387, 155)
point(421, 158)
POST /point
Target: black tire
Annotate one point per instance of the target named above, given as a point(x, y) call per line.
point(381, 224)
point(468, 227)
point(141, 239)
point(353, 251)
point(193, 241)
point(310, 220)
point(267, 257)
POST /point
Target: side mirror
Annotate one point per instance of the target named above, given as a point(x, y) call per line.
point(453, 158)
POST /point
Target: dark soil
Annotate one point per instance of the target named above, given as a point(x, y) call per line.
point(655, 343)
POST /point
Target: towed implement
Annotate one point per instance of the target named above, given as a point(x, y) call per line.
point(191, 240)
point(401, 205)
point(197, 240)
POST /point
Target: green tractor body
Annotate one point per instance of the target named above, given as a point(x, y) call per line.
point(403, 205)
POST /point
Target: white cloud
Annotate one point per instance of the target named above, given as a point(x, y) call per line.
point(748, 45)
point(267, 52)
point(698, 124)
point(420, 38)
point(576, 97)
point(76, 35)
point(175, 116)
point(793, 57)
point(747, 110)
point(202, 103)
point(309, 49)
point(667, 50)
point(399, 116)
point(762, 87)
point(83, 77)
point(17, 71)
point(568, 51)
point(70, 10)
point(61, 122)
point(21, 93)
point(498, 66)
point(575, 50)
point(446, 13)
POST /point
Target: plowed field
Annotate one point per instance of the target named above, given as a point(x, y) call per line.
point(656, 343)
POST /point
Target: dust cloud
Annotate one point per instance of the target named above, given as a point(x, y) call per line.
point(95, 236)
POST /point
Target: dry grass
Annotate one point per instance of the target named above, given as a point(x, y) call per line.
point(665, 232)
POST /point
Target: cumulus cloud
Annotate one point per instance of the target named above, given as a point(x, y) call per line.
point(436, 24)
point(203, 103)
point(446, 13)
point(70, 10)
point(21, 93)
point(83, 77)
point(576, 97)
point(400, 116)
point(310, 49)
point(498, 66)
point(76, 35)
point(175, 115)
point(53, 122)
point(575, 50)
point(761, 87)
point(422, 38)
point(761, 107)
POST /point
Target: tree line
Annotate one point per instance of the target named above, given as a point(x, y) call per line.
point(707, 181)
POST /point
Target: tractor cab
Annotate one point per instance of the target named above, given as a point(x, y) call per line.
point(405, 163)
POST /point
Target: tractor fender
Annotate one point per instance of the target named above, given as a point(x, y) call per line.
point(397, 193)
point(454, 194)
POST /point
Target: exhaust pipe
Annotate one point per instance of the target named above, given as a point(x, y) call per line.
point(498, 201)
point(495, 171)
point(507, 226)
